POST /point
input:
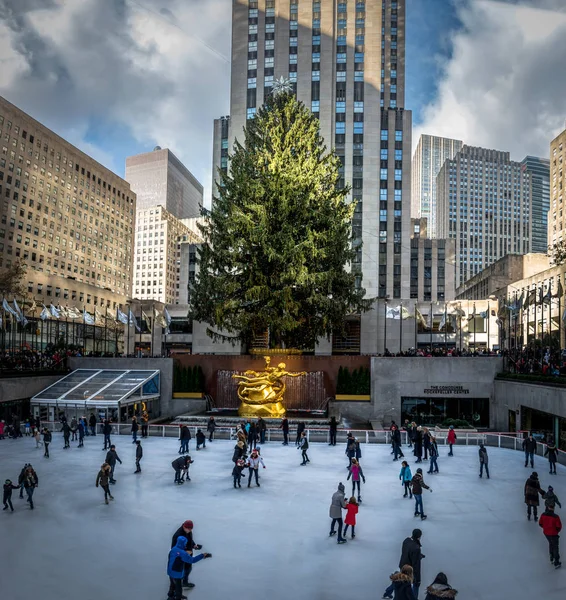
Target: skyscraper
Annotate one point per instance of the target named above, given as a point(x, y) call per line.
point(346, 61)
point(483, 202)
point(539, 170)
point(556, 217)
point(428, 159)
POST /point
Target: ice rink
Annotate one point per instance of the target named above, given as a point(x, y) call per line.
point(269, 542)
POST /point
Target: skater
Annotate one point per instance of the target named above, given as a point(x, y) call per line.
point(418, 443)
point(451, 439)
point(417, 483)
point(111, 458)
point(304, 446)
point(401, 584)
point(396, 441)
point(66, 435)
point(551, 499)
point(74, 426)
point(261, 429)
point(186, 531)
point(406, 476)
point(356, 473)
point(350, 521)
point(530, 447)
point(407, 430)
point(336, 506)
point(210, 428)
point(237, 472)
point(410, 555)
point(439, 589)
point(37, 438)
point(185, 470)
point(21, 478)
point(107, 430)
point(47, 437)
point(2, 429)
point(239, 452)
point(201, 439)
point(103, 479)
point(433, 451)
point(391, 428)
point(253, 464)
point(139, 456)
point(185, 439)
point(145, 426)
point(426, 442)
point(7, 495)
point(532, 491)
point(252, 435)
point(551, 452)
point(285, 427)
point(92, 423)
point(30, 483)
point(180, 464)
point(551, 526)
point(178, 558)
point(135, 429)
point(81, 430)
point(484, 460)
point(300, 428)
point(333, 428)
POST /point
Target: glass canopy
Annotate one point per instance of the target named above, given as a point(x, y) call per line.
point(101, 387)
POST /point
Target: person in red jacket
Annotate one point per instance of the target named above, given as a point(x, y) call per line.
point(551, 526)
point(451, 439)
point(352, 511)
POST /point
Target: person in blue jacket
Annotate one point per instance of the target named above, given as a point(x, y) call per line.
point(178, 556)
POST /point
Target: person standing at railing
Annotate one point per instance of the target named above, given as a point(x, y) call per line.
point(81, 429)
point(145, 421)
point(92, 423)
point(300, 428)
point(185, 439)
point(252, 435)
point(451, 438)
point(135, 429)
point(107, 430)
point(285, 427)
point(210, 428)
point(418, 451)
point(396, 441)
point(333, 425)
point(261, 429)
point(551, 452)
point(530, 447)
point(484, 460)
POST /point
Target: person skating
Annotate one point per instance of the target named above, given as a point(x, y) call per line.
point(145, 424)
point(433, 453)
point(426, 442)
point(7, 494)
point(300, 428)
point(92, 423)
point(551, 527)
point(103, 479)
point(552, 453)
point(135, 429)
point(201, 439)
point(411, 555)
point(180, 464)
point(66, 435)
point(253, 463)
point(185, 439)
point(417, 484)
point(530, 447)
point(186, 531)
point(350, 448)
point(401, 584)
point(551, 499)
point(439, 589)
point(418, 445)
point(396, 441)
point(285, 427)
point(333, 428)
point(304, 446)
point(532, 491)
point(178, 558)
point(81, 431)
point(74, 426)
point(356, 473)
point(47, 437)
point(37, 438)
point(252, 435)
point(238, 472)
point(484, 460)
point(106, 431)
point(112, 458)
point(239, 452)
point(211, 427)
point(261, 430)
point(451, 438)
point(406, 476)
point(350, 520)
point(337, 504)
point(31, 481)
point(21, 478)
point(139, 456)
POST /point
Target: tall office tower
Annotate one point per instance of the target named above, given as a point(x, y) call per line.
point(66, 216)
point(484, 203)
point(220, 139)
point(539, 170)
point(346, 61)
point(428, 159)
point(556, 217)
point(159, 178)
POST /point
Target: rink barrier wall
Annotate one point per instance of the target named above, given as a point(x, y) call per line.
point(507, 440)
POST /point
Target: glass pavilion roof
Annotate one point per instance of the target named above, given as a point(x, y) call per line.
point(100, 387)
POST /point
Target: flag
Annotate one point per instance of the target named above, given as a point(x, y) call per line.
point(54, 311)
point(483, 314)
point(121, 317)
point(564, 316)
point(520, 301)
point(146, 319)
point(459, 312)
point(62, 310)
point(20, 315)
point(73, 313)
point(98, 317)
point(9, 309)
point(430, 319)
point(45, 314)
point(393, 313)
point(87, 317)
point(442, 323)
point(133, 321)
point(420, 318)
point(167, 316)
point(559, 291)
point(540, 295)
point(547, 297)
point(33, 307)
point(405, 314)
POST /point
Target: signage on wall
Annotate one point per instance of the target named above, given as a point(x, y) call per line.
point(446, 390)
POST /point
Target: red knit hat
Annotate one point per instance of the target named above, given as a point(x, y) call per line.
point(188, 524)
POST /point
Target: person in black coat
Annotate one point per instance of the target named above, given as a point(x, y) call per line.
point(201, 439)
point(211, 428)
point(112, 458)
point(426, 442)
point(530, 448)
point(396, 439)
point(47, 437)
point(439, 589)
point(285, 427)
point(107, 430)
point(411, 555)
point(185, 439)
point(401, 584)
point(92, 424)
point(66, 435)
point(180, 464)
point(333, 427)
point(551, 452)
point(300, 428)
point(418, 442)
point(186, 531)
point(7, 495)
point(239, 452)
point(252, 436)
point(139, 455)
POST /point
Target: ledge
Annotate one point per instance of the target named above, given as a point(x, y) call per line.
point(352, 398)
point(180, 395)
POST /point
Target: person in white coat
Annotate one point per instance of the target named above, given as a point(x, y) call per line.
point(253, 463)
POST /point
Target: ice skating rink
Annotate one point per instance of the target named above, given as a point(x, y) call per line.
point(269, 542)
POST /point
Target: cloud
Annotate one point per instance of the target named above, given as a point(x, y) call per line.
point(504, 86)
point(157, 69)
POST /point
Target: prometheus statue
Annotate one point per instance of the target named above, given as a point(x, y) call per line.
point(261, 393)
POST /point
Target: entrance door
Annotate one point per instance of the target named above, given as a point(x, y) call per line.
point(512, 421)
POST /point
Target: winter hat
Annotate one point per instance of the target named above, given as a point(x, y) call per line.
point(419, 471)
point(550, 488)
point(341, 487)
point(8, 482)
point(188, 525)
point(534, 475)
point(417, 533)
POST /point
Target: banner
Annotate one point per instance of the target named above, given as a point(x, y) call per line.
point(73, 313)
point(134, 321)
point(9, 309)
point(45, 314)
point(393, 313)
point(54, 311)
point(121, 317)
point(87, 317)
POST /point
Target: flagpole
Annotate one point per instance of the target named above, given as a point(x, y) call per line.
point(129, 313)
point(431, 326)
point(105, 330)
point(400, 327)
point(475, 327)
point(152, 328)
point(140, 324)
point(384, 328)
point(416, 327)
point(488, 327)
point(445, 328)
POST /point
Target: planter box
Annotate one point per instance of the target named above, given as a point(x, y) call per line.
point(187, 395)
point(353, 398)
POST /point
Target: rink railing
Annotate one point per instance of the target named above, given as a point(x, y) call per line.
point(508, 440)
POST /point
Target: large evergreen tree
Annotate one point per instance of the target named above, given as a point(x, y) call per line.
point(277, 242)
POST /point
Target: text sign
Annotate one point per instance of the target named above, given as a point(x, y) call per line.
point(446, 390)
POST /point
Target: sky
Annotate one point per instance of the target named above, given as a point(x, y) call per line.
point(118, 77)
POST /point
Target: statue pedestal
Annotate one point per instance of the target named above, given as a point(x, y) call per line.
point(270, 410)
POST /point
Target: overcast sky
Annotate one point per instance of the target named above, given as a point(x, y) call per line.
point(117, 77)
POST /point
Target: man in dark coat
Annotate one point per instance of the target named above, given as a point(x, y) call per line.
point(261, 428)
point(411, 555)
point(180, 464)
point(92, 424)
point(530, 447)
point(66, 435)
point(396, 439)
point(47, 437)
point(139, 455)
point(285, 427)
point(252, 436)
point(107, 430)
point(185, 439)
point(186, 530)
point(135, 429)
point(418, 442)
point(532, 491)
point(111, 458)
point(300, 428)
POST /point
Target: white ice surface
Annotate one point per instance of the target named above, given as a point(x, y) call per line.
point(269, 542)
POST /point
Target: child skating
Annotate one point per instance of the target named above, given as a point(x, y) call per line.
point(9, 487)
point(237, 472)
point(304, 446)
point(356, 474)
point(406, 476)
point(351, 512)
point(253, 463)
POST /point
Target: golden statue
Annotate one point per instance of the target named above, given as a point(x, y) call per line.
point(261, 392)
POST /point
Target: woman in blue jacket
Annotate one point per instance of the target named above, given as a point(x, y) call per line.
point(178, 556)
